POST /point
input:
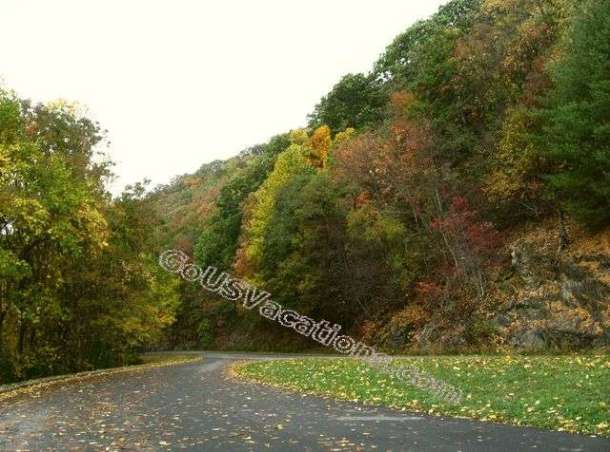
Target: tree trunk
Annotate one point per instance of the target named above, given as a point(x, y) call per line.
point(564, 239)
point(3, 313)
point(21, 343)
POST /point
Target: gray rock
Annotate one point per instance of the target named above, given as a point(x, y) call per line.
point(530, 340)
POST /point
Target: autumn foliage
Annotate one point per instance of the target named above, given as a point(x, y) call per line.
point(388, 213)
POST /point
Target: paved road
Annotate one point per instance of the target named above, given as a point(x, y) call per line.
point(195, 407)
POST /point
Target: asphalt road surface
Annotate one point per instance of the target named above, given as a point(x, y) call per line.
point(197, 407)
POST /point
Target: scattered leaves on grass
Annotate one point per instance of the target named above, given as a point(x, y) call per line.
point(569, 393)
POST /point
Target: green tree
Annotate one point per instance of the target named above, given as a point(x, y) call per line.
point(357, 101)
point(576, 137)
point(79, 283)
point(290, 163)
point(218, 242)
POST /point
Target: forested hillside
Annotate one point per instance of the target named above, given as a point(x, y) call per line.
point(455, 197)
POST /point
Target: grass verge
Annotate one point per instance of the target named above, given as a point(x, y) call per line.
point(568, 393)
point(39, 385)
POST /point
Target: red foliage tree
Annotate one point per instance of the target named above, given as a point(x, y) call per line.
point(470, 242)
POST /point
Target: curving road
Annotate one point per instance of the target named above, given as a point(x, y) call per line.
point(196, 407)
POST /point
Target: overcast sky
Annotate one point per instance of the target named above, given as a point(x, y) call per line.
point(184, 82)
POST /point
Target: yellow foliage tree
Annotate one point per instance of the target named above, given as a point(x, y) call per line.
point(320, 143)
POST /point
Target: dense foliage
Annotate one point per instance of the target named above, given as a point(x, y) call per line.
point(79, 284)
point(390, 212)
point(576, 137)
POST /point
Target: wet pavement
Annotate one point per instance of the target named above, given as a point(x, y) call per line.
point(196, 406)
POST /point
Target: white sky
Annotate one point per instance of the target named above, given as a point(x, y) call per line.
point(180, 83)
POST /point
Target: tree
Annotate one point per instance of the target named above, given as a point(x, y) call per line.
point(50, 200)
point(289, 164)
point(219, 239)
point(357, 101)
point(79, 284)
point(576, 135)
point(396, 64)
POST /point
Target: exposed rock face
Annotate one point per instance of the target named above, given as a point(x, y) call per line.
point(542, 298)
point(557, 300)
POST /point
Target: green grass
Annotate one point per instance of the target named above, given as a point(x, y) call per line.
point(570, 393)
